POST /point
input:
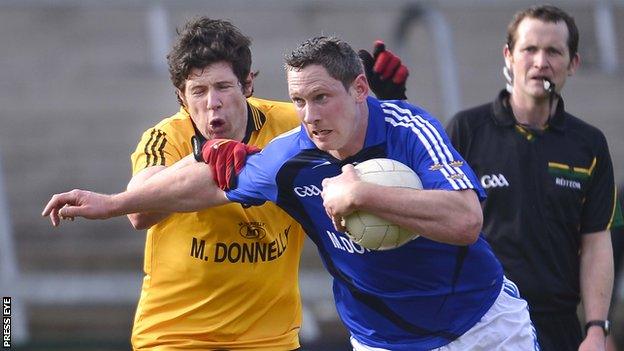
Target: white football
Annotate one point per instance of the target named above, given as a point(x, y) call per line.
point(371, 231)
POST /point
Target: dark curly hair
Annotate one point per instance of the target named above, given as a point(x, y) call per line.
point(203, 41)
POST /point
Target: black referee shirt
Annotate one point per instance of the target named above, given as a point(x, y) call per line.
point(545, 189)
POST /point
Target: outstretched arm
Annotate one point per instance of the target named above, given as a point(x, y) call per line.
point(144, 220)
point(187, 189)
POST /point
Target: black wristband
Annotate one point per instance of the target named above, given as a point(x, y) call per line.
point(197, 148)
point(605, 325)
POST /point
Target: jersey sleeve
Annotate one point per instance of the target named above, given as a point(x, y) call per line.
point(437, 162)
point(255, 184)
point(158, 147)
point(599, 210)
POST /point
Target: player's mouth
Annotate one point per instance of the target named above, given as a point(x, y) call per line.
point(216, 122)
point(321, 133)
point(218, 127)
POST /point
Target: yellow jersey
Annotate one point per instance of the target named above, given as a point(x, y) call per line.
point(225, 277)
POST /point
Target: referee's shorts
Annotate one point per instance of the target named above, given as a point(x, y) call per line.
point(558, 331)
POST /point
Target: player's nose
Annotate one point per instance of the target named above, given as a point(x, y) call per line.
point(310, 114)
point(213, 100)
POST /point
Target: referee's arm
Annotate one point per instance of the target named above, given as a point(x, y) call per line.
point(596, 279)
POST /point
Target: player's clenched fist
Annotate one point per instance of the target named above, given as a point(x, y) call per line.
point(385, 72)
point(226, 158)
point(78, 203)
point(338, 195)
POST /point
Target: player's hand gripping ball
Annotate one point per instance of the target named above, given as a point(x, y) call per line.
point(369, 230)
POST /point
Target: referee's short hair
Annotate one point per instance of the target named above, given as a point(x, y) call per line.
point(335, 55)
point(545, 13)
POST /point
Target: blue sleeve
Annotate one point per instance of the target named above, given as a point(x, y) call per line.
point(256, 183)
point(435, 159)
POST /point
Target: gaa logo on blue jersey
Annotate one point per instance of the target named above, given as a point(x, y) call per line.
point(307, 190)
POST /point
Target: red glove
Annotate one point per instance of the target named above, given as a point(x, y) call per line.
point(385, 72)
point(226, 158)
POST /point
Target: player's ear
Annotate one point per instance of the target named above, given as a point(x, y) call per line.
point(181, 98)
point(248, 84)
point(360, 87)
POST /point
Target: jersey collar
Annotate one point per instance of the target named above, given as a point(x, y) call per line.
point(503, 115)
point(375, 131)
point(255, 121)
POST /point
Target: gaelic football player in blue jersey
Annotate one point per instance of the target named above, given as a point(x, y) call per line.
point(444, 290)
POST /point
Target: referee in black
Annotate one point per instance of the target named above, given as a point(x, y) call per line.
point(549, 180)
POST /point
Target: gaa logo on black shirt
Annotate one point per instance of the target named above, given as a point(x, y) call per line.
point(494, 181)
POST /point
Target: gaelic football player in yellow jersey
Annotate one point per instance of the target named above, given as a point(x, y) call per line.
point(226, 277)
point(222, 278)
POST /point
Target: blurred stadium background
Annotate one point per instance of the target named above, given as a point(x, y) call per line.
point(81, 80)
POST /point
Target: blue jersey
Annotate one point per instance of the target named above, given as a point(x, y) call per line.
point(419, 296)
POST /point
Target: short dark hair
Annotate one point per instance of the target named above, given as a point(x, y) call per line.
point(545, 13)
point(203, 41)
point(336, 56)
